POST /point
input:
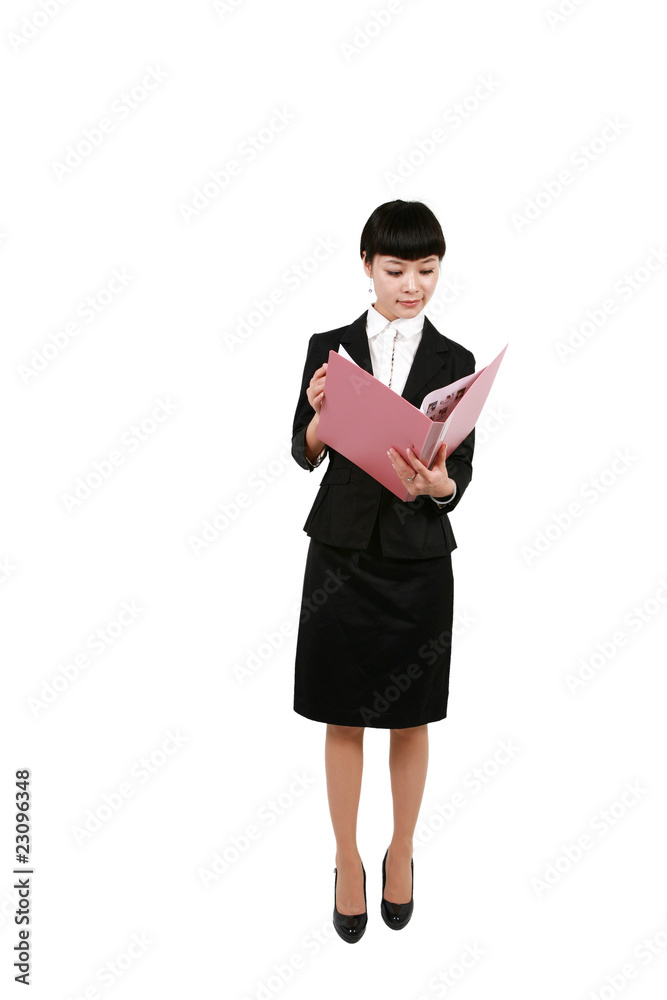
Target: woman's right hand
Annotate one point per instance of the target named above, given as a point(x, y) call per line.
point(315, 390)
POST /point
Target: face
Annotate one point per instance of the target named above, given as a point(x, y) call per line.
point(403, 287)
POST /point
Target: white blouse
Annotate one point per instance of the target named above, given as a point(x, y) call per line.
point(401, 335)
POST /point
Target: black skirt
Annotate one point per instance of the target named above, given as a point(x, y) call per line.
point(374, 639)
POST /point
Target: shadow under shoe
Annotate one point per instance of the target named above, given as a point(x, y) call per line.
point(350, 926)
point(396, 915)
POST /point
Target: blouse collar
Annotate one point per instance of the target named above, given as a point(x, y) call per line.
point(407, 325)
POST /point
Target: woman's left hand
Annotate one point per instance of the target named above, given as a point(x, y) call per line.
point(434, 482)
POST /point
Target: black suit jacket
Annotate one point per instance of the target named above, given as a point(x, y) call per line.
point(348, 500)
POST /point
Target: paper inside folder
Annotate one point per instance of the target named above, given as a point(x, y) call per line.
point(345, 354)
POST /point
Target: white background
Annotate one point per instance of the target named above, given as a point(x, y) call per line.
point(542, 592)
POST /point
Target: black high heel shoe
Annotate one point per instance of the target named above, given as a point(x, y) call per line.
point(350, 926)
point(396, 915)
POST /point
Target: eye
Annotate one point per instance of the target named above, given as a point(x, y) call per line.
point(394, 274)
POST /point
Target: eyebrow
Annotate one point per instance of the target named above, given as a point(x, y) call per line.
point(425, 260)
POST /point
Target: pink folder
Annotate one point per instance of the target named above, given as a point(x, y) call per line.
point(362, 418)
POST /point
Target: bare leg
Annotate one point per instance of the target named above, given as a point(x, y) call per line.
point(408, 763)
point(344, 759)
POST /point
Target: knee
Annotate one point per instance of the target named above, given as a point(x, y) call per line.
point(412, 732)
point(345, 732)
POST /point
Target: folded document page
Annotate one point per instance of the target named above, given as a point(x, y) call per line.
point(362, 417)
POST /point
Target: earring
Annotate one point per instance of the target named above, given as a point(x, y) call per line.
point(370, 287)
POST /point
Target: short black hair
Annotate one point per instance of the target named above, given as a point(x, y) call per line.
point(405, 229)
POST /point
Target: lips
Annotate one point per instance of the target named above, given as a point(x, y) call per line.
point(409, 302)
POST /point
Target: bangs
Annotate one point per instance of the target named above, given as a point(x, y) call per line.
point(405, 229)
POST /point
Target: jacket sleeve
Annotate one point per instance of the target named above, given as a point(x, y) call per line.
point(459, 463)
point(304, 411)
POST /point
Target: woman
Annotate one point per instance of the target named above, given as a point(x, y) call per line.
point(374, 636)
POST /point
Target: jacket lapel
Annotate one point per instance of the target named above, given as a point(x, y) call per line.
point(356, 342)
point(429, 358)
